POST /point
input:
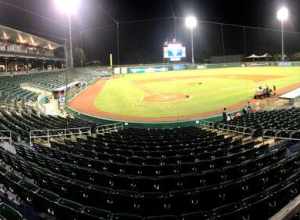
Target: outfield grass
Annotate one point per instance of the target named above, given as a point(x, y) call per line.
point(208, 90)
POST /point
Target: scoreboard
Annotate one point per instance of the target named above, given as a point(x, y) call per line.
point(174, 52)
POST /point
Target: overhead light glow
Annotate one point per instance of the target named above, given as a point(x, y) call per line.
point(283, 14)
point(32, 42)
point(21, 39)
point(5, 36)
point(50, 47)
point(69, 7)
point(191, 22)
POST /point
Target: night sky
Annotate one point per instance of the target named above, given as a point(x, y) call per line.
point(141, 41)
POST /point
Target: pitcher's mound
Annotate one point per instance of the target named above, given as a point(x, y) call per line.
point(167, 97)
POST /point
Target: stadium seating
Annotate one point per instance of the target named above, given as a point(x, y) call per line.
point(11, 91)
point(10, 213)
point(185, 173)
point(55, 80)
point(283, 122)
point(22, 120)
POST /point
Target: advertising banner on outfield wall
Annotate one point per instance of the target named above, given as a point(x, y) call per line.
point(152, 68)
point(148, 69)
point(183, 66)
point(285, 64)
point(179, 67)
point(117, 70)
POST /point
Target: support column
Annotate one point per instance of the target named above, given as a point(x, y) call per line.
point(27, 68)
point(6, 65)
point(118, 42)
point(70, 43)
point(282, 42)
point(223, 42)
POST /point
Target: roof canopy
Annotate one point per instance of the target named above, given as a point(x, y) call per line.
point(254, 56)
point(7, 33)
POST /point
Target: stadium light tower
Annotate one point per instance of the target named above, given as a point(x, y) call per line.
point(69, 7)
point(191, 23)
point(282, 16)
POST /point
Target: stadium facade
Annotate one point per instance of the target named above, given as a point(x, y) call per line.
point(22, 52)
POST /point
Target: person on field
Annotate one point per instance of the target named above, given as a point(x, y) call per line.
point(249, 108)
point(225, 115)
point(244, 110)
point(274, 89)
point(237, 115)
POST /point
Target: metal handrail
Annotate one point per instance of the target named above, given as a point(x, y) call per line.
point(109, 128)
point(51, 133)
point(7, 137)
point(237, 129)
point(288, 211)
point(227, 127)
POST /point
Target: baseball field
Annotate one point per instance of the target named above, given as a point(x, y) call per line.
point(180, 95)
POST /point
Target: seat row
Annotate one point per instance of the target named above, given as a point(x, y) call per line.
point(168, 183)
point(175, 203)
point(94, 167)
point(90, 157)
point(204, 149)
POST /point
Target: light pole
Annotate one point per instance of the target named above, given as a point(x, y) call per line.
point(70, 42)
point(191, 23)
point(69, 7)
point(282, 16)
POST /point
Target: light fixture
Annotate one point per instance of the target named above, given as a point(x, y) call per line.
point(191, 22)
point(283, 14)
point(69, 7)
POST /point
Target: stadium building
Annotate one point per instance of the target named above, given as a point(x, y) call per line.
point(24, 52)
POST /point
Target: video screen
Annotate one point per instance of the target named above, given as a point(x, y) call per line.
point(174, 52)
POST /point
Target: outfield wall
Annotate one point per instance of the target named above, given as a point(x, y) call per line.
point(157, 68)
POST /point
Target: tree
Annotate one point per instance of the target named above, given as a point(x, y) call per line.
point(295, 56)
point(79, 57)
point(276, 57)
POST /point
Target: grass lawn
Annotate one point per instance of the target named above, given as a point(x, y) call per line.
point(199, 91)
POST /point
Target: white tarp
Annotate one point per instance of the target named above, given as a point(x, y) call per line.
point(291, 95)
point(254, 56)
point(70, 85)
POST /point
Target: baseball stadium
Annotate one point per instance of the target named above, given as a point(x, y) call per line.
point(149, 110)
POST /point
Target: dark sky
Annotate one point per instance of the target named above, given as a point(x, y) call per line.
point(141, 42)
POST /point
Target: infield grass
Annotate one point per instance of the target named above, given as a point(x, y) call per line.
point(205, 90)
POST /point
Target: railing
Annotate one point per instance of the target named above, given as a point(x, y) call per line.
point(282, 134)
point(236, 129)
point(289, 211)
point(228, 128)
point(52, 133)
point(5, 135)
point(55, 133)
point(105, 129)
point(277, 134)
